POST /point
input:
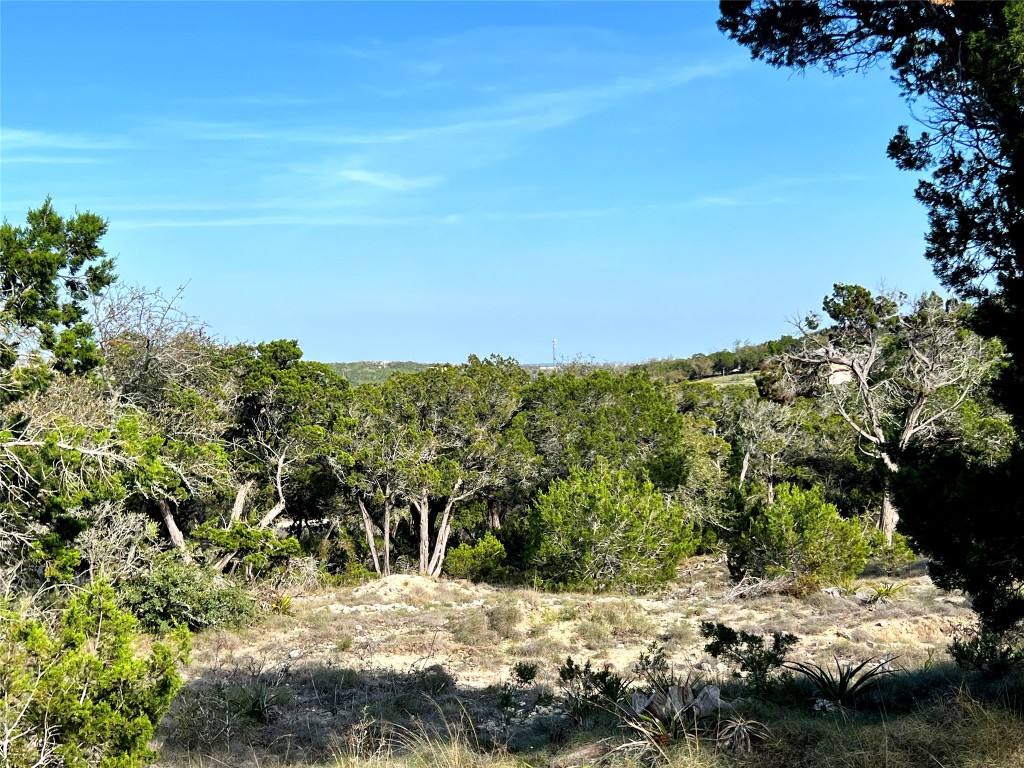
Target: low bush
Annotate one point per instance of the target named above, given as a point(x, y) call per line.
point(750, 652)
point(800, 537)
point(483, 561)
point(993, 654)
point(175, 593)
point(76, 692)
point(602, 529)
point(589, 694)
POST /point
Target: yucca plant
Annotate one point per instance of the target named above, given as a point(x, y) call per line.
point(740, 734)
point(846, 682)
point(885, 592)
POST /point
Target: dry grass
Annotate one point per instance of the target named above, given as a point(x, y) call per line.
point(369, 676)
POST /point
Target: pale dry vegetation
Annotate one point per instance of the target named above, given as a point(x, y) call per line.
point(409, 671)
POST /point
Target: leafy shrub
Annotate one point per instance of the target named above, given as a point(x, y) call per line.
point(587, 692)
point(885, 592)
point(800, 537)
point(256, 701)
point(602, 528)
point(178, 594)
point(653, 667)
point(891, 558)
point(257, 548)
point(748, 651)
point(993, 654)
point(482, 561)
point(76, 693)
point(524, 672)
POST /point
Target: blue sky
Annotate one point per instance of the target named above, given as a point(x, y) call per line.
point(426, 181)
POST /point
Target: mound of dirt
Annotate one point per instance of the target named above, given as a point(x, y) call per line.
point(413, 588)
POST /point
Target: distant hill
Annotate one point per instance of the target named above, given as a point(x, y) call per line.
point(375, 371)
point(378, 371)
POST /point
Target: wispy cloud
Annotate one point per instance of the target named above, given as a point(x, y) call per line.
point(206, 130)
point(731, 201)
point(524, 112)
point(300, 219)
point(7, 159)
point(390, 181)
point(18, 139)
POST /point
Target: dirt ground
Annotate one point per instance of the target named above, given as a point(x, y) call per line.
point(345, 664)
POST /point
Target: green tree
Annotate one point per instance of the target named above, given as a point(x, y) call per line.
point(432, 441)
point(576, 416)
point(964, 62)
point(289, 415)
point(896, 372)
point(49, 269)
point(601, 528)
point(78, 693)
point(799, 537)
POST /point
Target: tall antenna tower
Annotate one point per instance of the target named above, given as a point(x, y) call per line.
point(554, 361)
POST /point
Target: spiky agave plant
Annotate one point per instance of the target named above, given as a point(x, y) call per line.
point(740, 734)
point(846, 682)
point(885, 592)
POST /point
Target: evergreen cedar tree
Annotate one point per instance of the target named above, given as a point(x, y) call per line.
point(961, 64)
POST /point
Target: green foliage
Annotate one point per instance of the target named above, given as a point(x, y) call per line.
point(577, 417)
point(176, 594)
point(524, 672)
point(602, 528)
point(483, 561)
point(996, 654)
point(748, 651)
point(255, 701)
point(77, 693)
point(891, 558)
point(966, 515)
point(885, 592)
point(653, 668)
point(49, 269)
point(588, 693)
point(846, 683)
point(800, 537)
point(258, 548)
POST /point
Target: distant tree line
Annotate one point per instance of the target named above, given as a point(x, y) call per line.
point(742, 358)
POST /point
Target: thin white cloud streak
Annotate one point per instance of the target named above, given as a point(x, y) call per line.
point(390, 181)
point(530, 112)
point(278, 221)
point(18, 139)
point(205, 130)
point(46, 160)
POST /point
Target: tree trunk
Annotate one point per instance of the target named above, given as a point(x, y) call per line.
point(177, 539)
point(745, 467)
point(221, 564)
point(387, 538)
point(889, 518)
point(493, 516)
point(368, 526)
point(443, 532)
point(240, 496)
point(268, 519)
point(422, 506)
